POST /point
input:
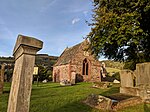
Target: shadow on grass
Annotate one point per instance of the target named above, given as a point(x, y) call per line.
point(6, 91)
point(81, 107)
point(111, 91)
point(59, 86)
point(74, 107)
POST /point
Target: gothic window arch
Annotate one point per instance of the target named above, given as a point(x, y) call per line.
point(85, 69)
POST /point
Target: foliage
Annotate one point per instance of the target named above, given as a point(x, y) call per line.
point(116, 76)
point(44, 73)
point(8, 72)
point(130, 65)
point(43, 61)
point(113, 64)
point(121, 30)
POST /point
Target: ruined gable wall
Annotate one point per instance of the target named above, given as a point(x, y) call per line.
point(61, 73)
point(94, 68)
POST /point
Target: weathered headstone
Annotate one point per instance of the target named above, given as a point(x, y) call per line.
point(65, 83)
point(99, 102)
point(2, 78)
point(126, 77)
point(24, 53)
point(142, 74)
point(142, 87)
point(73, 77)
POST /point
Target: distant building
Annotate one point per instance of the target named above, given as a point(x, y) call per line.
point(77, 60)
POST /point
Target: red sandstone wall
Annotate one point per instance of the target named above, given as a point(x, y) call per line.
point(62, 72)
point(76, 65)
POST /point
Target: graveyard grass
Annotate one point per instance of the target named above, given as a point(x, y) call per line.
point(51, 97)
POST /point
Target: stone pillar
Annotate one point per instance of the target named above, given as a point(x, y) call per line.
point(142, 74)
point(24, 53)
point(126, 77)
point(2, 78)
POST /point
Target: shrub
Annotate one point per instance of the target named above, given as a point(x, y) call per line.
point(116, 76)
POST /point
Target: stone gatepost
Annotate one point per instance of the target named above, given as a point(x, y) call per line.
point(2, 78)
point(24, 53)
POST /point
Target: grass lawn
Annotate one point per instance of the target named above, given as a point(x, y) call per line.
point(50, 97)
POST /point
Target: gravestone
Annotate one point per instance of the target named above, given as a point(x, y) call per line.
point(73, 77)
point(142, 87)
point(2, 78)
point(24, 53)
point(99, 102)
point(126, 77)
point(65, 83)
point(142, 74)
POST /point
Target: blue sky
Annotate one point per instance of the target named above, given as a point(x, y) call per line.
point(58, 23)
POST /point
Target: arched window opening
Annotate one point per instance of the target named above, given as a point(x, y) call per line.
point(85, 68)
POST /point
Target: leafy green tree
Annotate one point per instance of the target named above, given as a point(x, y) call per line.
point(121, 30)
point(44, 73)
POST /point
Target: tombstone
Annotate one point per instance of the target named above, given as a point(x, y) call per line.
point(142, 74)
point(99, 102)
point(65, 83)
point(126, 77)
point(73, 77)
point(24, 53)
point(142, 87)
point(2, 78)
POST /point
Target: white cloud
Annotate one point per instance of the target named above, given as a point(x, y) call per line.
point(75, 20)
point(85, 13)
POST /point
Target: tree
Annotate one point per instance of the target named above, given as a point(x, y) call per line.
point(121, 30)
point(44, 73)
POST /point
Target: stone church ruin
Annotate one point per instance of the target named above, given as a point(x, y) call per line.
point(77, 61)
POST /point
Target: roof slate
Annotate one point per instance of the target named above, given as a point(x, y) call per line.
point(68, 54)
